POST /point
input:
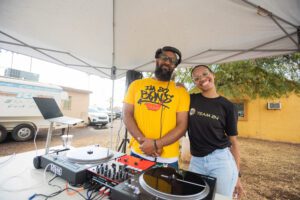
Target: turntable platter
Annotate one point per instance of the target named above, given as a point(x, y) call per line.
point(166, 183)
point(89, 154)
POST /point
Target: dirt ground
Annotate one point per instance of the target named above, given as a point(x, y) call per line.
point(271, 170)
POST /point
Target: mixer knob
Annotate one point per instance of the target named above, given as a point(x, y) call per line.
point(113, 165)
point(136, 191)
point(126, 175)
point(117, 175)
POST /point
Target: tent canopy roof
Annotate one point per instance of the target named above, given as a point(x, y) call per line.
point(92, 36)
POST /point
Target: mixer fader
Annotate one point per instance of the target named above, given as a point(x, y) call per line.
point(118, 170)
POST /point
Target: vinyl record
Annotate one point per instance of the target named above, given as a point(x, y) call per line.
point(166, 183)
point(90, 154)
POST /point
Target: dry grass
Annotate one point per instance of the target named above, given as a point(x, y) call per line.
point(271, 170)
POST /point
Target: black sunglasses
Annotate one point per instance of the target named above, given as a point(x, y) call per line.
point(166, 58)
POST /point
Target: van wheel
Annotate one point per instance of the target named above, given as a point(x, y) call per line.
point(3, 133)
point(23, 132)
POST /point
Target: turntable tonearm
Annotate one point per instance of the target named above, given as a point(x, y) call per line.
point(166, 183)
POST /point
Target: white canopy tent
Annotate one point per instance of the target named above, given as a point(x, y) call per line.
point(99, 36)
point(93, 36)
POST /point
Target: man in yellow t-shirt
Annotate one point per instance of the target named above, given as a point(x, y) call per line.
point(156, 111)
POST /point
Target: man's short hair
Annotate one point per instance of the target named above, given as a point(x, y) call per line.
point(169, 48)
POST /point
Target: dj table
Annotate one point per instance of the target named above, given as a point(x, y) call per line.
point(20, 180)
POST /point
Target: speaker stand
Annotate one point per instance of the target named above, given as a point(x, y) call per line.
point(124, 142)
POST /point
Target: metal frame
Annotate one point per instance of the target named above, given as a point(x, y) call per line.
point(253, 49)
point(40, 50)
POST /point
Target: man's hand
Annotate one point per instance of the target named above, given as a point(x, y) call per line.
point(147, 146)
point(157, 153)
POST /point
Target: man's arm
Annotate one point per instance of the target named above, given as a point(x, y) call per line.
point(175, 134)
point(130, 123)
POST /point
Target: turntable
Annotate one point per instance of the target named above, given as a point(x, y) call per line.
point(72, 164)
point(89, 155)
point(166, 183)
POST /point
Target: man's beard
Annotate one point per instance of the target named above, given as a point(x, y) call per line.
point(162, 74)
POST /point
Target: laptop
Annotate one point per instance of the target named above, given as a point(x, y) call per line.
point(51, 112)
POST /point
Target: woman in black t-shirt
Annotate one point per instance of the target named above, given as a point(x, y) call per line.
point(213, 135)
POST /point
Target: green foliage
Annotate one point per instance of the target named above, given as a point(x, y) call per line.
point(183, 75)
point(147, 74)
point(265, 77)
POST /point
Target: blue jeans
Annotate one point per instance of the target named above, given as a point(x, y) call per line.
point(221, 165)
point(174, 164)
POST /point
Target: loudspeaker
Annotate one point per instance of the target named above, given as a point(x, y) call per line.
point(131, 76)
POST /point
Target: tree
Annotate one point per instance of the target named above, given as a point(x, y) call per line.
point(265, 77)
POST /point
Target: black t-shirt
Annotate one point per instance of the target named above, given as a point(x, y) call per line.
point(211, 121)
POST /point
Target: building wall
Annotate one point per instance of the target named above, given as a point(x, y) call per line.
point(275, 125)
point(78, 105)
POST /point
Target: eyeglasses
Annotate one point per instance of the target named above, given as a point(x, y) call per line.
point(198, 78)
point(166, 58)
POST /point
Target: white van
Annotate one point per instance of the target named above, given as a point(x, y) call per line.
point(19, 114)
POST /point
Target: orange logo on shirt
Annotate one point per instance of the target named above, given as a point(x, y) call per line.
point(152, 106)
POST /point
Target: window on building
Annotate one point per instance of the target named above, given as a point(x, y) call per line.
point(67, 103)
point(242, 109)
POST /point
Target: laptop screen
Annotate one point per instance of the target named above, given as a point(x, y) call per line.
point(48, 107)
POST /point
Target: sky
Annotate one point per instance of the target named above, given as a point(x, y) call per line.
point(101, 88)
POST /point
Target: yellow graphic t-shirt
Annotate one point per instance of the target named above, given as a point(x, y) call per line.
point(155, 106)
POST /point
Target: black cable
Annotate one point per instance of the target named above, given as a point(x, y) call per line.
point(57, 193)
point(161, 115)
point(49, 183)
point(90, 192)
point(94, 197)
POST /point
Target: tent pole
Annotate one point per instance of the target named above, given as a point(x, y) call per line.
point(113, 77)
point(298, 33)
point(111, 114)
